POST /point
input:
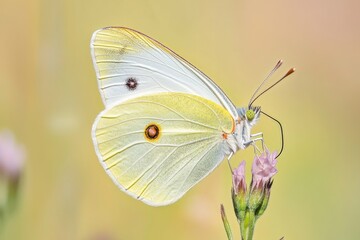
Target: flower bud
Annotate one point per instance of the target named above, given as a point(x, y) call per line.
point(265, 202)
point(239, 195)
point(12, 156)
point(256, 197)
point(225, 222)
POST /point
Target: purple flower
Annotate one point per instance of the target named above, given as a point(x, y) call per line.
point(239, 183)
point(263, 169)
point(12, 155)
point(239, 195)
point(102, 236)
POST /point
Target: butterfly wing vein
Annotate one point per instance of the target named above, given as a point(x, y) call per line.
point(159, 171)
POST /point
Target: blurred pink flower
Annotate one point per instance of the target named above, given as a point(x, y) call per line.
point(12, 155)
point(263, 169)
point(102, 236)
point(239, 183)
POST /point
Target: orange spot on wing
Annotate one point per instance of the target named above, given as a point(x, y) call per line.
point(224, 135)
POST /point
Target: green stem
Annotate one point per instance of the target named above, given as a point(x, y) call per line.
point(244, 225)
point(242, 229)
point(251, 225)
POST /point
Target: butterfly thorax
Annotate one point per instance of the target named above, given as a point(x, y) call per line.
point(241, 137)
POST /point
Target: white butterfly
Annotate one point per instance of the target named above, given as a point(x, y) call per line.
point(166, 125)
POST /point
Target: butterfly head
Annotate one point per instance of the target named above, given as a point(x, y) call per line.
point(248, 118)
point(249, 114)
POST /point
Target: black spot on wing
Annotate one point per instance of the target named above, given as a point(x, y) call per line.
point(131, 83)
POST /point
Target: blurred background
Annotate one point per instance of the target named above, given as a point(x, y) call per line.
point(49, 99)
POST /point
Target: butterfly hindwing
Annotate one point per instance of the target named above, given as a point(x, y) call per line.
point(156, 147)
point(129, 63)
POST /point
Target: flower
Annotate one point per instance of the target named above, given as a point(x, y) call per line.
point(251, 202)
point(12, 155)
point(239, 183)
point(263, 169)
point(239, 195)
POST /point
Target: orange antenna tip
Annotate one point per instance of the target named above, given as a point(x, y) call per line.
point(291, 70)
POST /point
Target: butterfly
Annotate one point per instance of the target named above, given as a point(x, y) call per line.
point(166, 125)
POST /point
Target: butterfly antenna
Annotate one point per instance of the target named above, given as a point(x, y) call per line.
point(281, 131)
point(279, 63)
point(291, 70)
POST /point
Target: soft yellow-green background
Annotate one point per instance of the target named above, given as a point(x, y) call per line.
point(49, 98)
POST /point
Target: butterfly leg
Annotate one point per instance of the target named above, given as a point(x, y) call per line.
point(255, 138)
point(256, 148)
point(259, 137)
point(253, 143)
point(228, 160)
point(257, 134)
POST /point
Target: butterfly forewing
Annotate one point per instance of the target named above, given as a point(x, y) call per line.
point(130, 64)
point(156, 147)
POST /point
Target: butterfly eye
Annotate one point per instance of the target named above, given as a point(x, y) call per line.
point(250, 114)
